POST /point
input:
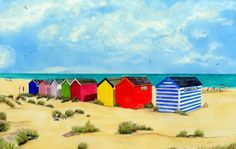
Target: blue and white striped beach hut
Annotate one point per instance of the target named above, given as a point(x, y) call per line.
point(178, 93)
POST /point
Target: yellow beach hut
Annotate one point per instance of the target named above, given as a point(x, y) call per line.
point(106, 91)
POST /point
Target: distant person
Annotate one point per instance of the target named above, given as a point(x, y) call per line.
point(23, 88)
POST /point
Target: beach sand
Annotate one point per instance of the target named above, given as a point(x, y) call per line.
point(217, 121)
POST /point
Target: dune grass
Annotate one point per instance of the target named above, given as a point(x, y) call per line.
point(87, 128)
point(25, 135)
point(7, 102)
point(56, 114)
point(40, 102)
point(3, 116)
point(198, 133)
point(182, 133)
point(31, 101)
point(50, 106)
point(150, 105)
point(4, 126)
point(69, 113)
point(79, 111)
point(129, 127)
point(181, 113)
point(82, 145)
point(98, 102)
point(7, 145)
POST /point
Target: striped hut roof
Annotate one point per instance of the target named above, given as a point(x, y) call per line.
point(186, 81)
point(86, 81)
point(37, 81)
point(139, 80)
point(69, 80)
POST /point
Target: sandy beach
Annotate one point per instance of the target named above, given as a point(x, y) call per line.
point(217, 121)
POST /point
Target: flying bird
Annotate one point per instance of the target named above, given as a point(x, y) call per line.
point(26, 8)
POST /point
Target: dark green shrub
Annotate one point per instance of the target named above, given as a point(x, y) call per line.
point(88, 115)
point(7, 102)
point(42, 103)
point(50, 106)
point(65, 100)
point(49, 97)
point(10, 96)
point(98, 102)
point(79, 111)
point(31, 101)
point(116, 105)
point(155, 109)
point(4, 126)
point(127, 128)
point(24, 135)
point(69, 113)
point(130, 127)
point(56, 114)
point(75, 100)
point(181, 113)
point(82, 145)
point(198, 133)
point(183, 133)
point(87, 128)
point(3, 116)
point(148, 105)
point(7, 145)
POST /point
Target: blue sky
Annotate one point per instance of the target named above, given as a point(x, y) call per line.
point(118, 36)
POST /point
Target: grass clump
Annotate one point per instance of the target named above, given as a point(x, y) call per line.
point(11, 96)
point(130, 127)
point(7, 102)
point(198, 133)
point(181, 112)
point(69, 113)
point(87, 128)
point(65, 100)
point(150, 105)
point(98, 102)
point(7, 145)
point(27, 95)
point(49, 97)
point(56, 114)
point(4, 126)
point(40, 102)
point(79, 111)
point(18, 102)
point(82, 145)
point(31, 101)
point(25, 135)
point(3, 116)
point(183, 133)
point(75, 100)
point(155, 109)
point(50, 106)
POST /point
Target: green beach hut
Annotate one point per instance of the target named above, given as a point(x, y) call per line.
point(65, 88)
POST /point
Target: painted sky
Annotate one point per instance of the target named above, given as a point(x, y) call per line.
point(118, 36)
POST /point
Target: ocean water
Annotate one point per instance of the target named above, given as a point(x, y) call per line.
point(208, 80)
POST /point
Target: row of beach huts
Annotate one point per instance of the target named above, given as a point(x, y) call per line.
point(172, 93)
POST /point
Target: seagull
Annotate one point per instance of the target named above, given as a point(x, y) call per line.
point(150, 61)
point(26, 8)
point(217, 64)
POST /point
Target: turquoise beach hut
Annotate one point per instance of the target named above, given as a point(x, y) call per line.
point(179, 93)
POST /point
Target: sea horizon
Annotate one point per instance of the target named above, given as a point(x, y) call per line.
point(208, 80)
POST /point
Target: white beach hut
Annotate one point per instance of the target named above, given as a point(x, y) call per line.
point(56, 87)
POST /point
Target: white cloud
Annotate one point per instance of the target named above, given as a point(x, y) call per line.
point(225, 21)
point(55, 69)
point(7, 56)
point(208, 57)
point(49, 33)
point(17, 16)
point(73, 69)
point(199, 33)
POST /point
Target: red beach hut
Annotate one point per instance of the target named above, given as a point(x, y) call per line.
point(133, 92)
point(83, 89)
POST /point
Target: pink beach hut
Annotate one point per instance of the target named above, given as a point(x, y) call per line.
point(44, 87)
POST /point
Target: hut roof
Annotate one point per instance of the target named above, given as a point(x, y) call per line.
point(37, 81)
point(59, 81)
point(86, 81)
point(139, 80)
point(112, 81)
point(48, 81)
point(186, 81)
point(69, 80)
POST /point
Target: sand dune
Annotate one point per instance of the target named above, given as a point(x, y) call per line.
point(217, 121)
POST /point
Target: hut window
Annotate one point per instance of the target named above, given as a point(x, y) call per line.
point(143, 88)
point(190, 88)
